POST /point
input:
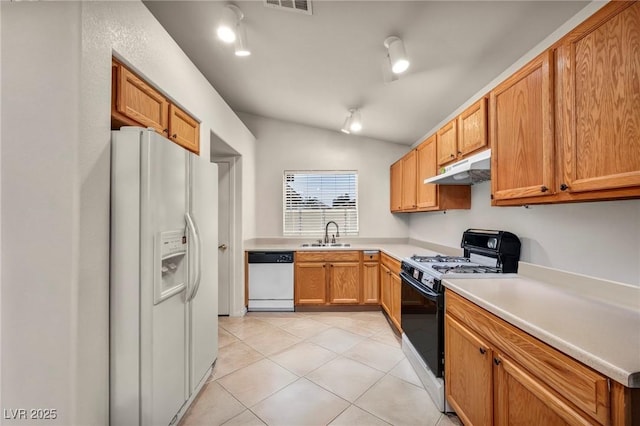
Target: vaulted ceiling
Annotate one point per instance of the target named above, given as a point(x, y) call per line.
point(311, 69)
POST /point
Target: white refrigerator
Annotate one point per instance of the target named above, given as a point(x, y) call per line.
point(164, 277)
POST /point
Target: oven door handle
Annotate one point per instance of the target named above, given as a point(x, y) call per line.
point(409, 280)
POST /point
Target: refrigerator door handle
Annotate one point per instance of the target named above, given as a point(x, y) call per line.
point(199, 259)
point(193, 229)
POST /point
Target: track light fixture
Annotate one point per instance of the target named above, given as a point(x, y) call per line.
point(231, 16)
point(241, 47)
point(353, 122)
point(396, 54)
point(230, 29)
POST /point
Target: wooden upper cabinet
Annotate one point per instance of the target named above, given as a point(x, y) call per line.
point(183, 129)
point(134, 102)
point(140, 102)
point(522, 129)
point(472, 128)
point(599, 67)
point(396, 186)
point(447, 143)
point(426, 158)
point(409, 181)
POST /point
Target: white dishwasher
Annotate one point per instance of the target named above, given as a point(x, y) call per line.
point(270, 280)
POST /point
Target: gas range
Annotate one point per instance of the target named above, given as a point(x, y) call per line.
point(487, 254)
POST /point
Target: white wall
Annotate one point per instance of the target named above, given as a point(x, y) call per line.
point(40, 93)
point(56, 85)
point(287, 146)
point(600, 239)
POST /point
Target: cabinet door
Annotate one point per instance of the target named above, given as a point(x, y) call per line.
point(522, 150)
point(311, 284)
point(344, 282)
point(371, 283)
point(409, 180)
point(600, 69)
point(468, 373)
point(183, 129)
point(427, 193)
point(396, 186)
point(472, 128)
point(396, 289)
point(140, 102)
point(447, 143)
point(385, 289)
point(520, 399)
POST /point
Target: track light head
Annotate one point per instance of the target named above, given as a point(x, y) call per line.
point(397, 54)
point(229, 20)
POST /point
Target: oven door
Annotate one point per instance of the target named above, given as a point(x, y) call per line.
point(422, 315)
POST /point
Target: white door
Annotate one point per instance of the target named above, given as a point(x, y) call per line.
point(203, 315)
point(224, 238)
point(163, 325)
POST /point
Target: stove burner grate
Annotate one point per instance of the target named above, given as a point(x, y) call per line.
point(465, 269)
point(439, 259)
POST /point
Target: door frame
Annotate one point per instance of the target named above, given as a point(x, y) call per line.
point(236, 258)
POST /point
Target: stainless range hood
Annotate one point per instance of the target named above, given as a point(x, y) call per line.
point(473, 169)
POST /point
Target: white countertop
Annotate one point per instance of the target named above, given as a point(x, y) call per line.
point(397, 251)
point(599, 333)
point(594, 321)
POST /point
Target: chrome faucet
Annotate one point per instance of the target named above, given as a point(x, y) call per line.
point(326, 232)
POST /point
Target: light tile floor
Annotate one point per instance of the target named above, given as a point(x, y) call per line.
point(312, 368)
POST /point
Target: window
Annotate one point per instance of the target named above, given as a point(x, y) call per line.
point(313, 198)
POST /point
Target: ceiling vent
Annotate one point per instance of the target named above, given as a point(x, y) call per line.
point(303, 6)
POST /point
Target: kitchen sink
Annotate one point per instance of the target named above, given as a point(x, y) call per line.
point(326, 245)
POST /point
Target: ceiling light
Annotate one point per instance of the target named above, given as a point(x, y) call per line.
point(397, 54)
point(353, 122)
point(242, 47)
point(231, 16)
point(356, 121)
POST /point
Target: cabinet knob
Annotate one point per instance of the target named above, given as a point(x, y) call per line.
point(564, 187)
point(452, 156)
point(165, 131)
point(496, 361)
point(483, 351)
point(459, 152)
point(544, 189)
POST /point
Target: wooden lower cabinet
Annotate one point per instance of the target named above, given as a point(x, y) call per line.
point(390, 288)
point(371, 282)
point(311, 283)
point(328, 278)
point(396, 289)
point(385, 289)
point(498, 374)
point(468, 374)
point(520, 399)
point(344, 283)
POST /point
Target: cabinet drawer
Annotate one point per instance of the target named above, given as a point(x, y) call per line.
point(370, 256)
point(390, 262)
point(327, 256)
point(580, 385)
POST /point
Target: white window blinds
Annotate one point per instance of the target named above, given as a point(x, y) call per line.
point(313, 198)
